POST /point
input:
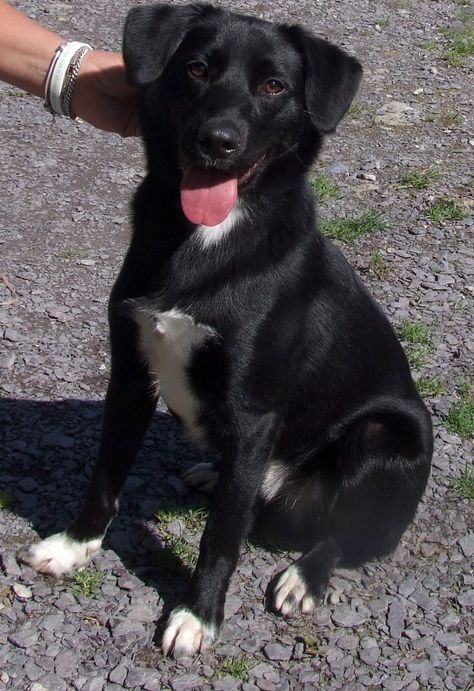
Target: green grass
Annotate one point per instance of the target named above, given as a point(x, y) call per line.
point(428, 387)
point(443, 210)
point(450, 118)
point(72, 253)
point(428, 45)
point(236, 666)
point(192, 519)
point(324, 187)
point(349, 229)
point(419, 179)
point(178, 556)
point(464, 487)
point(417, 342)
point(460, 42)
point(5, 500)
point(378, 265)
point(87, 582)
point(310, 641)
point(460, 417)
point(383, 23)
point(356, 109)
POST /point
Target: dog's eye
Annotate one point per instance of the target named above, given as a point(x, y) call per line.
point(273, 87)
point(197, 69)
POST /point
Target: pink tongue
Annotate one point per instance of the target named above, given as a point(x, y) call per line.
point(207, 196)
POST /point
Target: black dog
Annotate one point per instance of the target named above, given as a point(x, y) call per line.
point(261, 338)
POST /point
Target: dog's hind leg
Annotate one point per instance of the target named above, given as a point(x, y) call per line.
point(370, 481)
point(129, 407)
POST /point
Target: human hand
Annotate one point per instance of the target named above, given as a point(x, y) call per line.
point(102, 96)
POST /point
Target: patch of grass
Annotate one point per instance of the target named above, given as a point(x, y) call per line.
point(417, 342)
point(460, 417)
point(6, 500)
point(356, 109)
point(450, 118)
point(177, 557)
point(349, 229)
point(311, 646)
point(236, 666)
point(460, 42)
point(72, 253)
point(443, 210)
point(430, 44)
point(428, 387)
point(378, 265)
point(382, 23)
point(324, 187)
point(419, 179)
point(87, 582)
point(192, 519)
point(464, 487)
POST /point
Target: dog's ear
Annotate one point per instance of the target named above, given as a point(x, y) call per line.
point(151, 35)
point(331, 79)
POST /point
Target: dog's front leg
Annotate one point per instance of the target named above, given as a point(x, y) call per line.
point(193, 627)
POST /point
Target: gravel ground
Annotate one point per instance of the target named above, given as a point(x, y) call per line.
point(404, 623)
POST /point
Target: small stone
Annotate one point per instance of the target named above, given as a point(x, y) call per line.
point(22, 592)
point(227, 683)
point(466, 599)
point(367, 176)
point(10, 565)
point(118, 674)
point(395, 114)
point(185, 682)
point(275, 651)
point(57, 439)
point(337, 168)
point(345, 616)
point(467, 545)
point(25, 638)
point(418, 91)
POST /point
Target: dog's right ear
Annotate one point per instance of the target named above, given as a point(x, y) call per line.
point(151, 36)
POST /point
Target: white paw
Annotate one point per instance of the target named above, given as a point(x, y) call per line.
point(291, 593)
point(186, 635)
point(59, 554)
point(201, 477)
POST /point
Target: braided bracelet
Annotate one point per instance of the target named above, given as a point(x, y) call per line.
point(62, 76)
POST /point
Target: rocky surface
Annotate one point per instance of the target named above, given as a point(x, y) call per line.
point(404, 623)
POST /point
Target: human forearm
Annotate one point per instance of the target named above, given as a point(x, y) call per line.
point(26, 50)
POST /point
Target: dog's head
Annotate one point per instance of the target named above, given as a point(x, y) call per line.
point(239, 96)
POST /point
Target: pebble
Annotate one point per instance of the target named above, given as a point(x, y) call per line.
point(22, 591)
point(274, 651)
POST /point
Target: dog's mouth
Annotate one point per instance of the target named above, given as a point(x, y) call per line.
point(209, 195)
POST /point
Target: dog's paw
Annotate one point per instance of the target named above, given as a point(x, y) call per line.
point(201, 477)
point(59, 554)
point(291, 593)
point(186, 634)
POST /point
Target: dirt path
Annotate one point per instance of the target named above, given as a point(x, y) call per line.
point(405, 623)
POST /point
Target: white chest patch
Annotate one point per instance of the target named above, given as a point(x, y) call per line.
point(209, 236)
point(168, 341)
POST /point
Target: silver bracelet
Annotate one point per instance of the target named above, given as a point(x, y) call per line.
point(62, 76)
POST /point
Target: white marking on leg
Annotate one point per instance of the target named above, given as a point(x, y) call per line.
point(201, 476)
point(292, 593)
point(274, 479)
point(186, 634)
point(59, 554)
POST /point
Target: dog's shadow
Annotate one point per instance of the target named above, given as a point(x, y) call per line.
point(47, 454)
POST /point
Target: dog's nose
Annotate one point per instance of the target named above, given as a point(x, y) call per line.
point(218, 140)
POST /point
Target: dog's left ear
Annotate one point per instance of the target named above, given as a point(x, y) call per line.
point(331, 79)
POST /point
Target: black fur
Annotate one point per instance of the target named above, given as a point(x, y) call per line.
point(304, 367)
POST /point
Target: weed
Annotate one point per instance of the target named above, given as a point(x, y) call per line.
point(428, 45)
point(378, 265)
point(382, 23)
point(460, 43)
point(87, 582)
point(419, 179)
point(356, 109)
point(460, 417)
point(417, 341)
point(191, 518)
point(450, 118)
point(72, 254)
point(349, 229)
point(443, 210)
point(428, 387)
point(464, 487)
point(310, 641)
point(324, 188)
point(236, 666)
